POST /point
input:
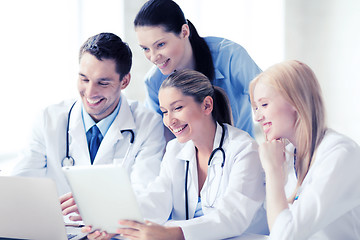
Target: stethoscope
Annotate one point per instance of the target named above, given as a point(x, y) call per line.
point(69, 160)
point(220, 148)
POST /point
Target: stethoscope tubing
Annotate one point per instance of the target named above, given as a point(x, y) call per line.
point(186, 192)
point(220, 148)
point(70, 161)
point(132, 138)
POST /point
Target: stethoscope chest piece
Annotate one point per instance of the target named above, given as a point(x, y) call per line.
point(68, 162)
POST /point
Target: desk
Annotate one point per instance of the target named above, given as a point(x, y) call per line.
point(249, 236)
point(245, 236)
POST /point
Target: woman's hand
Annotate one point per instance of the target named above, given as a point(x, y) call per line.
point(68, 206)
point(148, 231)
point(96, 235)
point(272, 156)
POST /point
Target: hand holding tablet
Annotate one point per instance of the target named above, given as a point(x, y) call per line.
point(104, 195)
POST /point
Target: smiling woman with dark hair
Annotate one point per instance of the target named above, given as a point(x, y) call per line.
point(171, 42)
point(211, 184)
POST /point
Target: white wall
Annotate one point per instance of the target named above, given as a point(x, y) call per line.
point(325, 35)
point(38, 62)
point(136, 89)
point(257, 25)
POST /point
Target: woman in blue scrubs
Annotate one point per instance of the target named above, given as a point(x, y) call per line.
point(171, 42)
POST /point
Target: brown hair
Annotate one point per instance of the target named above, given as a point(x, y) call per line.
point(197, 85)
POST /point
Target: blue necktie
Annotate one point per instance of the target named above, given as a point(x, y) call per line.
point(94, 138)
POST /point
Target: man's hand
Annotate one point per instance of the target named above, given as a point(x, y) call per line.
point(68, 206)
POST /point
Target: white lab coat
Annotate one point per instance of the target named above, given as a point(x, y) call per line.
point(328, 206)
point(48, 143)
point(240, 195)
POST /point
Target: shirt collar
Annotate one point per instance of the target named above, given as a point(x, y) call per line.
point(103, 124)
point(218, 74)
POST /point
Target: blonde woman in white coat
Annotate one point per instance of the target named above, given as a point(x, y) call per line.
point(223, 192)
point(312, 183)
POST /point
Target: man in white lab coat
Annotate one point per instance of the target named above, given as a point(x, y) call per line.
point(62, 133)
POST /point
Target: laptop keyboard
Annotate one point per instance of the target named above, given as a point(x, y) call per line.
point(70, 236)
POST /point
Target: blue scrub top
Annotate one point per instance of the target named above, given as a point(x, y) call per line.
point(234, 69)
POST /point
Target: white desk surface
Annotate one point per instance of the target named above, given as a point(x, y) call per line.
point(245, 236)
point(248, 236)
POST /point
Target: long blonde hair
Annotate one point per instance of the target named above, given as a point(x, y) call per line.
point(298, 84)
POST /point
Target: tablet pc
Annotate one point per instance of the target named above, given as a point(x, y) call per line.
point(104, 195)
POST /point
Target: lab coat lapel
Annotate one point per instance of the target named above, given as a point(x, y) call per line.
point(188, 153)
point(78, 147)
point(114, 140)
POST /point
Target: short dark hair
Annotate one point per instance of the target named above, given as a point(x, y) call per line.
point(109, 46)
point(167, 14)
point(195, 84)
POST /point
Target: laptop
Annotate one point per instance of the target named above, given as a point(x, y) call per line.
point(30, 209)
point(104, 195)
